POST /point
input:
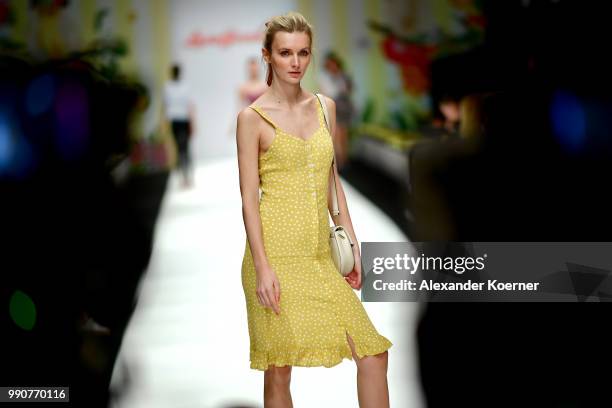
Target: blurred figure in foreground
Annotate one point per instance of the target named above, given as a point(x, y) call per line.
point(463, 136)
point(515, 185)
point(179, 110)
point(75, 242)
point(471, 117)
point(336, 84)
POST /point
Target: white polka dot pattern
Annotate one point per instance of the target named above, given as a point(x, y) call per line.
point(317, 306)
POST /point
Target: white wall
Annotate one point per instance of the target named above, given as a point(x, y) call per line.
point(216, 71)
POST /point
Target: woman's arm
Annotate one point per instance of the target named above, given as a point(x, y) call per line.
point(344, 218)
point(247, 140)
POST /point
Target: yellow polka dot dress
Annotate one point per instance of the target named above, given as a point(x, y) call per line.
point(317, 306)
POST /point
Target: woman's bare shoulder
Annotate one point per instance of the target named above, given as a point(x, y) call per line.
point(247, 117)
point(246, 114)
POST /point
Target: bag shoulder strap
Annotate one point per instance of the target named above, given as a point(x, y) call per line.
point(324, 108)
point(335, 210)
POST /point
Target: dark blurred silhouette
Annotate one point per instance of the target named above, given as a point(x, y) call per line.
point(535, 175)
point(513, 187)
point(74, 242)
point(523, 181)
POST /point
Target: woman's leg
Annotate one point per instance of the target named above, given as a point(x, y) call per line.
point(372, 388)
point(276, 387)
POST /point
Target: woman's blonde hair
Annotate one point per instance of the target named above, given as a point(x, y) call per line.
point(290, 22)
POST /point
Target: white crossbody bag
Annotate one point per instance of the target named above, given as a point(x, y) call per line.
point(340, 242)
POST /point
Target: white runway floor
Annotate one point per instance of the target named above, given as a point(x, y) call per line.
point(187, 344)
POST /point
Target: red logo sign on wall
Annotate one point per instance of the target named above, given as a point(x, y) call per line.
point(199, 40)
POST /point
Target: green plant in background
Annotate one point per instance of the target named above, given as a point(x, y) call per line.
point(105, 52)
point(409, 113)
point(397, 118)
point(149, 153)
point(7, 23)
point(105, 55)
point(22, 310)
point(369, 111)
point(99, 18)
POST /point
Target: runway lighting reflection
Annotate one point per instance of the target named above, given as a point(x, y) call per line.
point(22, 310)
point(7, 145)
point(568, 121)
point(72, 120)
point(40, 95)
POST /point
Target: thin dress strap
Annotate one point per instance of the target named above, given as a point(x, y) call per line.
point(263, 115)
point(320, 114)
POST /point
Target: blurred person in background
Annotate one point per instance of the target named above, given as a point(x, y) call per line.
point(253, 87)
point(336, 83)
point(448, 125)
point(249, 90)
point(289, 279)
point(446, 119)
point(180, 112)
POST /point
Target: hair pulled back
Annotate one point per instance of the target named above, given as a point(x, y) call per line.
point(290, 23)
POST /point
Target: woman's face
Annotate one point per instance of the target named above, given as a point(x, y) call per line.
point(290, 56)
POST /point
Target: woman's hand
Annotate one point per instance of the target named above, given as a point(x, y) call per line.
point(354, 277)
point(268, 288)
